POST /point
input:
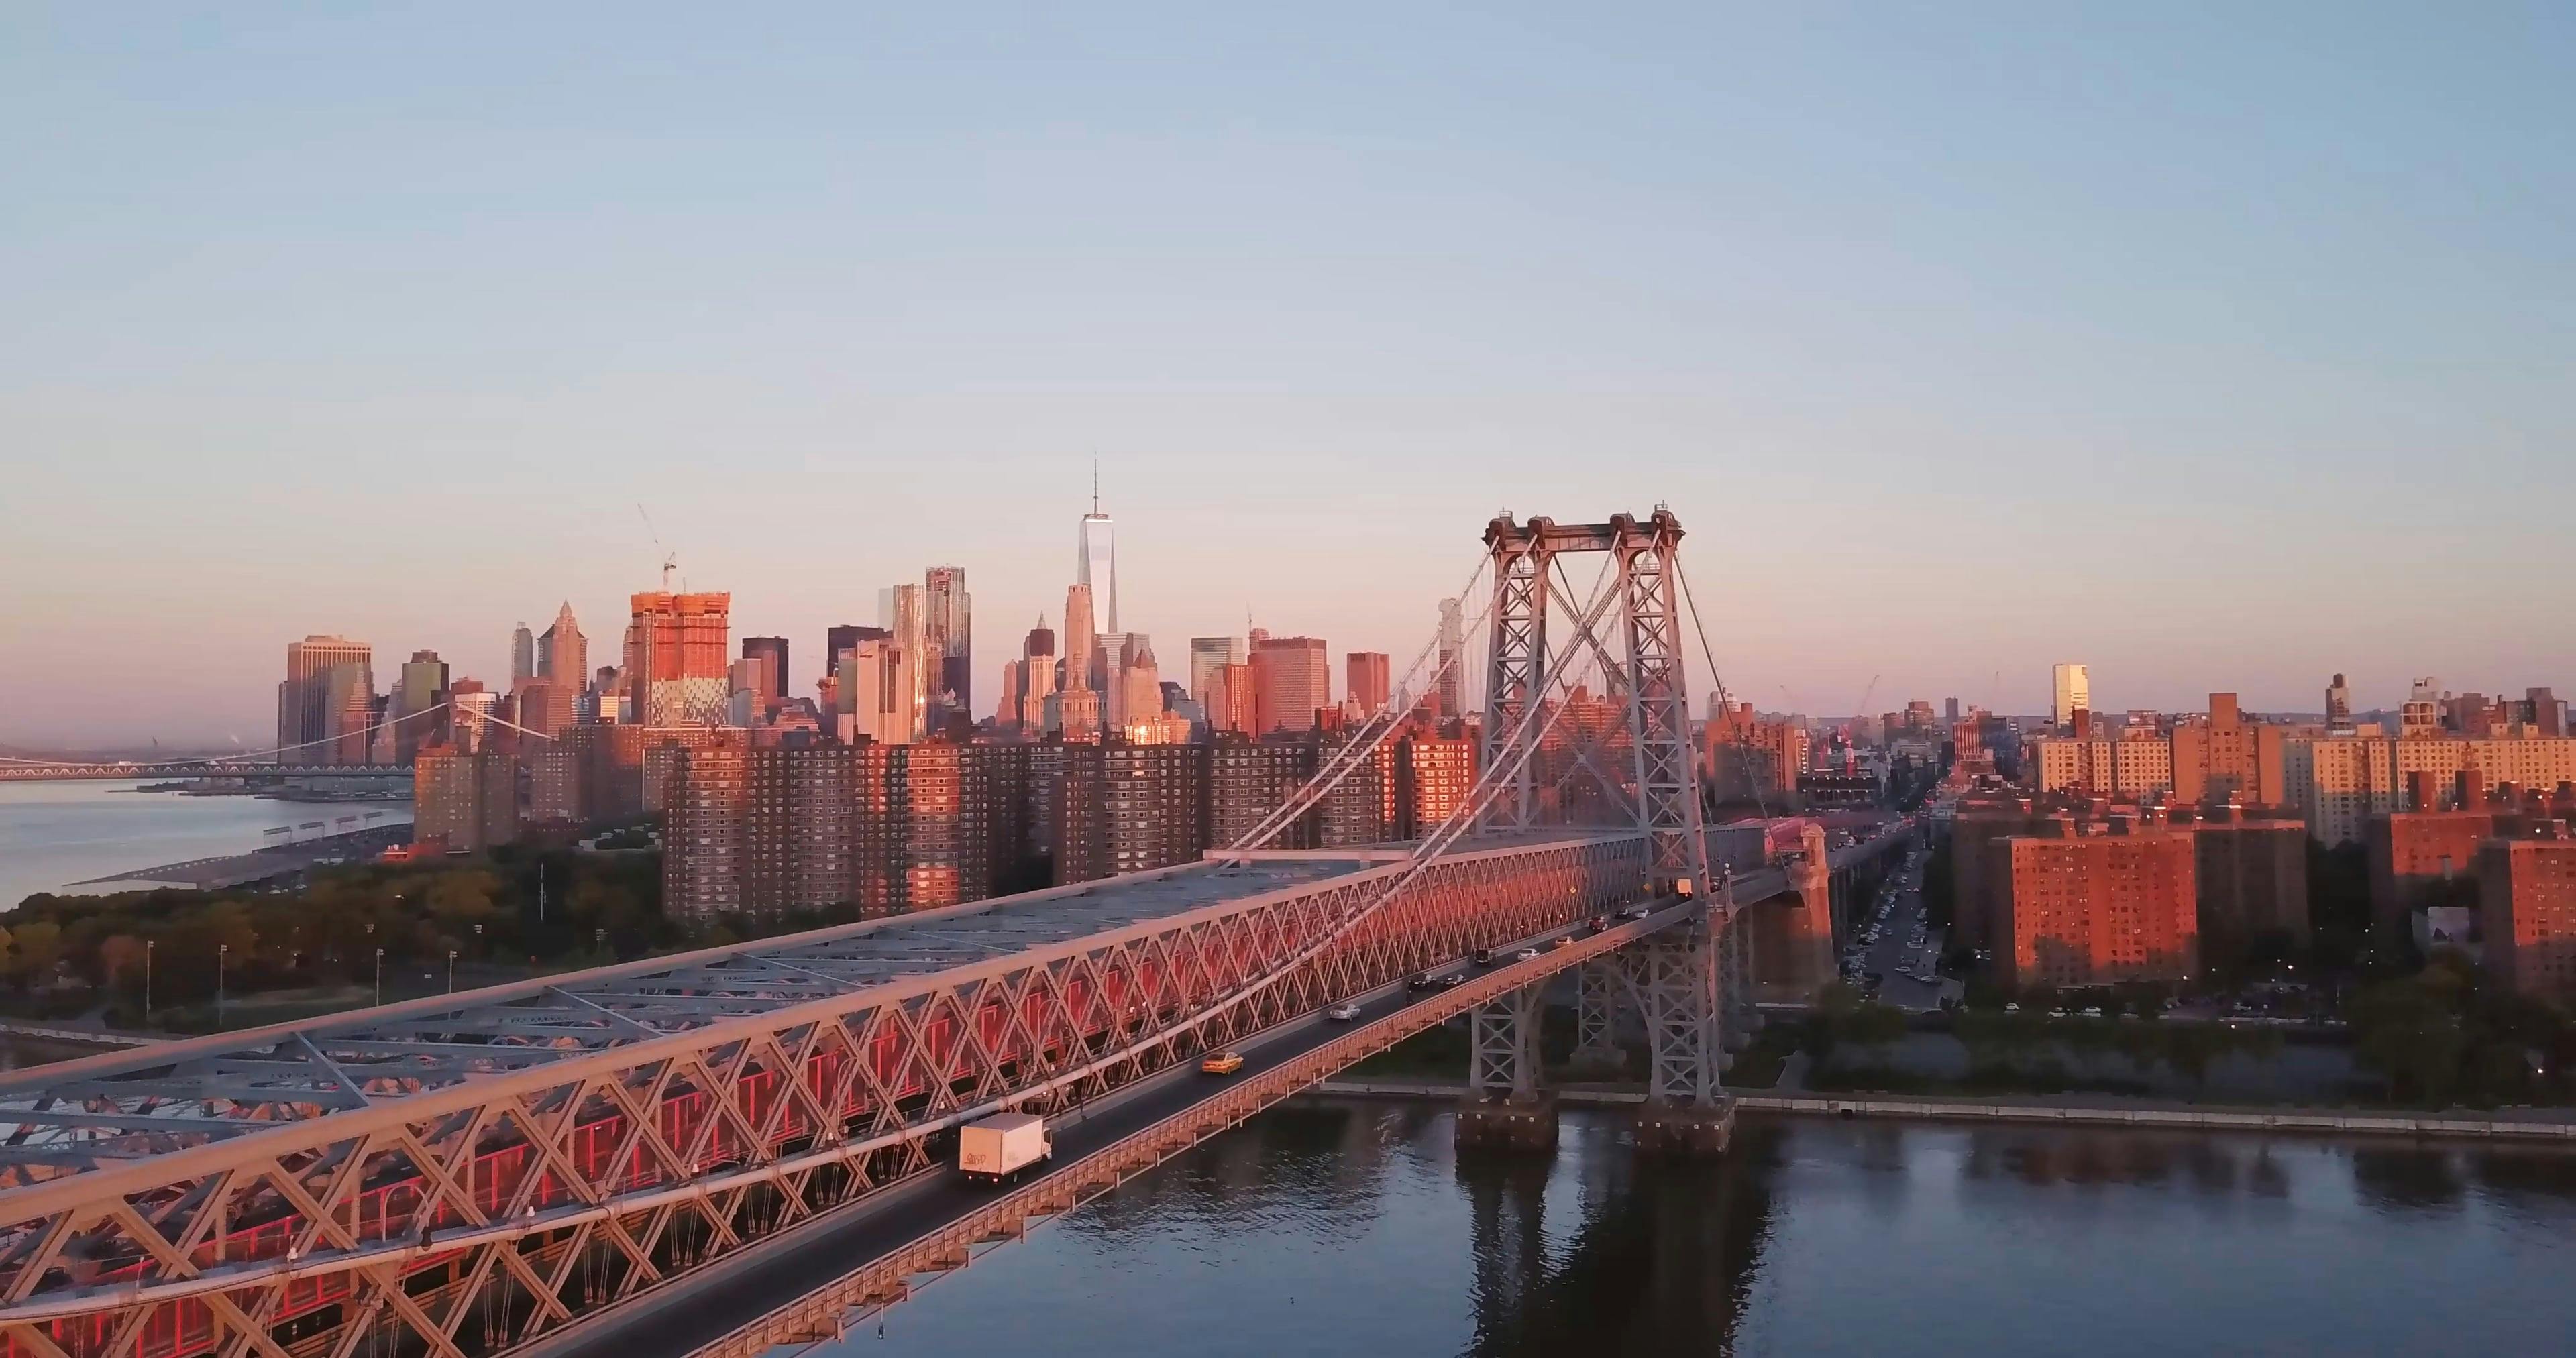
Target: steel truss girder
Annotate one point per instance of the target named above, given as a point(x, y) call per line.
point(1596, 1012)
point(1668, 804)
point(1673, 979)
point(1516, 666)
point(1503, 1061)
point(632, 1158)
point(876, 1284)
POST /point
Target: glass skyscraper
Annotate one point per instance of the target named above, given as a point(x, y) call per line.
point(1098, 567)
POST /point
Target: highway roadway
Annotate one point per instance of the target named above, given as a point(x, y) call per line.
point(722, 1297)
point(1895, 954)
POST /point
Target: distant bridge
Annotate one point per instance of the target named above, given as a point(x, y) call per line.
point(191, 768)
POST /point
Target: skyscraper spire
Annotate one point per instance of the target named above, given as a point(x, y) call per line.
point(1097, 561)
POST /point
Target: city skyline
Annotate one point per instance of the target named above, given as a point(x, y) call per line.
point(2195, 340)
point(2372, 693)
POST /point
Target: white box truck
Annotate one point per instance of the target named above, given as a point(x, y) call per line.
point(996, 1149)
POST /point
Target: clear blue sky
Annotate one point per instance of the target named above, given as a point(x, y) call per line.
point(2218, 347)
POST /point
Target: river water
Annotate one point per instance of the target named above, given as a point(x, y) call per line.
point(54, 834)
point(1353, 1228)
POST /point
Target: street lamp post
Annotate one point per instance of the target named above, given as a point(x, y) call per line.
point(147, 980)
point(380, 976)
point(451, 971)
point(222, 950)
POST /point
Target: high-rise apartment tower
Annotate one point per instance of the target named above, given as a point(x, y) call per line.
point(676, 661)
point(2070, 689)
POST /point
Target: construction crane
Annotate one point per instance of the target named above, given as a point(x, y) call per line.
point(670, 559)
point(1847, 736)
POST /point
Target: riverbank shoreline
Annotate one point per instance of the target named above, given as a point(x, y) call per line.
point(2544, 1126)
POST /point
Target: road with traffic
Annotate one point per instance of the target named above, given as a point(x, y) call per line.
point(1897, 942)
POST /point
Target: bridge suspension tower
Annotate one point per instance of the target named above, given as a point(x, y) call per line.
point(1686, 986)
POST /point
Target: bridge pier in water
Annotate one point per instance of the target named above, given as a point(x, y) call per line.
point(1505, 1107)
point(1685, 983)
point(1680, 985)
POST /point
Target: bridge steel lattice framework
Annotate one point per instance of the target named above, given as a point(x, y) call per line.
point(877, 1283)
point(464, 1174)
point(1687, 984)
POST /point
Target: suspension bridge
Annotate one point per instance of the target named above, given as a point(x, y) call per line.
point(42, 771)
point(739, 1148)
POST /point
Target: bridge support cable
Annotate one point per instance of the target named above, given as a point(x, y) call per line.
point(1588, 749)
point(1717, 682)
point(1737, 970)
point(1468, 813)
point(1371, 737)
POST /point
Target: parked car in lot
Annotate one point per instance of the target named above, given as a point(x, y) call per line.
point(1342, 1013)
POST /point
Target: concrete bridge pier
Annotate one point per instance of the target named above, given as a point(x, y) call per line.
point(1790, 937)
point(1505, 1107)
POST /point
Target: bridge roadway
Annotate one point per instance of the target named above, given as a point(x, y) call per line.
point(802, 1285)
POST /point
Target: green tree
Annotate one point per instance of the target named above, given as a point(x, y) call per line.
point(1869, 1025)
point(461, 900)
point(120, 959)
point(34, 949)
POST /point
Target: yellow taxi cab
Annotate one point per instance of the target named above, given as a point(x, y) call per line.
point(1222, 1063)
